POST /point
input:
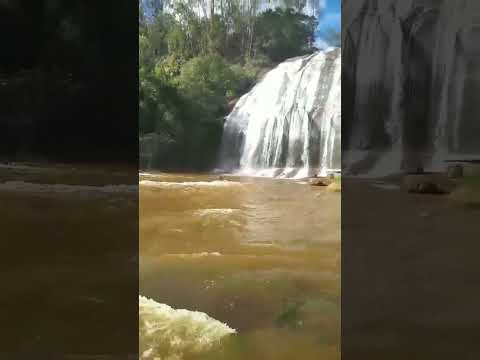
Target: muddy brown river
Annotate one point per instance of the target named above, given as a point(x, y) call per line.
point(255, 262)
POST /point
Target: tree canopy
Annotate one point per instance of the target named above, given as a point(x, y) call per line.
point(192, 64)
point(69, 74)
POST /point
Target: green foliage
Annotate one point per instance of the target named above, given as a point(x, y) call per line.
point(145, 51)
point(66, 66)
point(191, 67)
point(284, 33)
point(245, 76)
point(169, 67)
point(207, 78)
point(216, 36)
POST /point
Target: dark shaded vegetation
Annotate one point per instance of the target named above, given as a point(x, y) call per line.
point(68, 93)
point(193, 66)
point(67, 80)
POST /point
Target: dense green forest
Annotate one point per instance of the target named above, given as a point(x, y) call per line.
point(192, 68)
point(68, 80)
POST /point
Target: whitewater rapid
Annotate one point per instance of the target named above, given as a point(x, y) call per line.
point(39, 188)
point(289, 124)
point(170, 334)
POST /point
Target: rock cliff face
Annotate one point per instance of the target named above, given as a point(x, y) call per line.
point(411, 78)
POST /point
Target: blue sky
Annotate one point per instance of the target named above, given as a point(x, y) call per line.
point(331, 18)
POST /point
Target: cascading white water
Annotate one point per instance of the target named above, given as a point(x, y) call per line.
point(456, 19)
point(377, 29)
point(288, 125)
point(379, 37)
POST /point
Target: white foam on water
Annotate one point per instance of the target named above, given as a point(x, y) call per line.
point(14, 166)
point(215, 212)
point(154, 175)
point(168, 184)
point(196, 255)
point(166, 333)
point(21, 186)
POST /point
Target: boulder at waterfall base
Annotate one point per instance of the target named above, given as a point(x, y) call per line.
point(320, 181)
point(428, 183)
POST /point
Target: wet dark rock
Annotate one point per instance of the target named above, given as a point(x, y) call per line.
point(231, 104)
point(320, 181)
point(427, 183)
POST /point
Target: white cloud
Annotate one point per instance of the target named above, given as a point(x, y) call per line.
point(321, 44)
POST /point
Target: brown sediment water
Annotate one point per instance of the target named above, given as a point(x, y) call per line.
point(69, 236)
point(260, 255)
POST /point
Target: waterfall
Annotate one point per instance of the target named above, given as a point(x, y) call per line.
point(456, 18)
point(288, 125)
point(410, 62)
